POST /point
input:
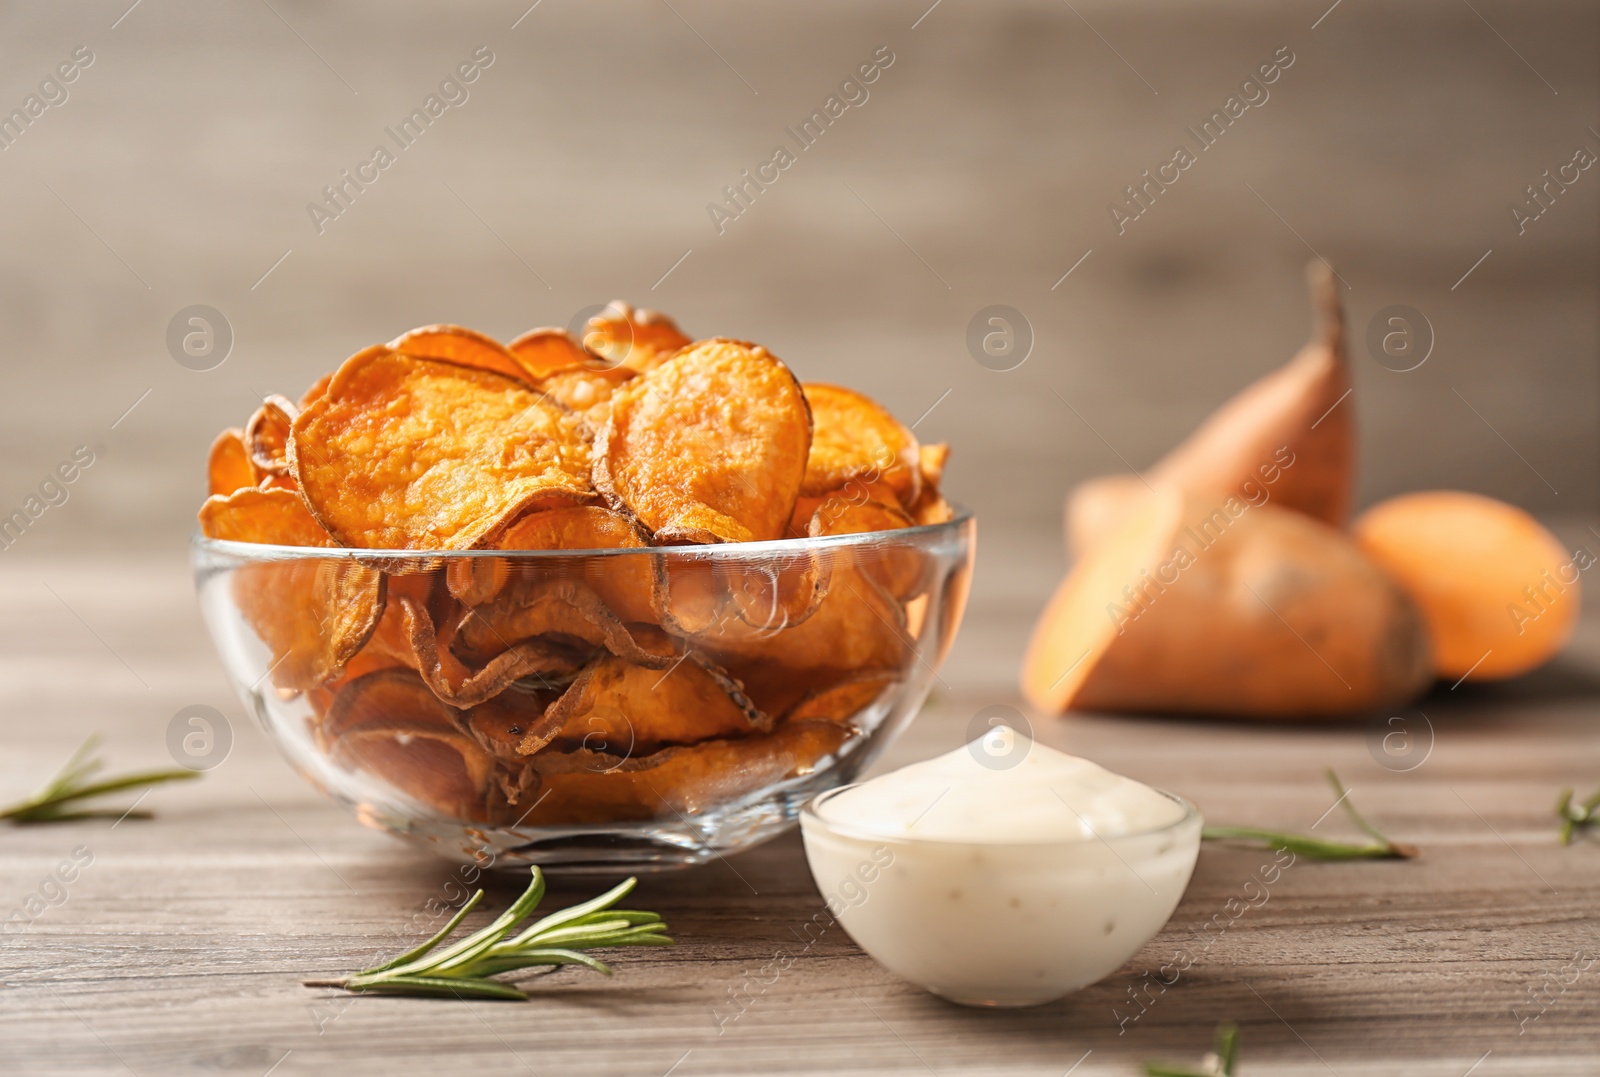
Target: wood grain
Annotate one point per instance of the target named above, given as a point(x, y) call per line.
point(181, 947)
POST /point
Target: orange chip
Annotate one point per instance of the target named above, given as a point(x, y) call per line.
point(934, 511)
point(854, 438)
point(459, 685)
point(844, 699)
point(390, 726)
point(560, 610)
point(900, 571)
point(464, 347)
point(266, 435)
point(620, 707)
point(278, 517)
point(313, 614)
point(623, 583)
point(542, 352)
point(228, 466)
point(708, 447)
point(502, 724)
point(407, 453)
point(587, 392)
point(638, 339)
point(778, 592)
point(586, 787)
point(931, 460)
point(313, 394)
point(855, 627)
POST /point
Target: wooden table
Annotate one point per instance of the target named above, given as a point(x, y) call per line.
point(180, 948)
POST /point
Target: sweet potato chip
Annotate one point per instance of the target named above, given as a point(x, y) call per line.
point(407, 453)
point(228, 466)
point(586, 787)
point(777, 593)
point(900, 571)
point(934, 511)
point(620, 707)
point(460, 685)
point(557, 609)
point(515, 717)
point(278, 517)
point(542, 352)
point(708, 447)
point(587, 392)
point(854, 438)
point(843, 700)
point(313, 614)
point(391, 726)
point(266, 435)
point(623, 583)
point(638, 339)
point(315, 393)
point(855, 627)
point(930, 462)
point(464, 347)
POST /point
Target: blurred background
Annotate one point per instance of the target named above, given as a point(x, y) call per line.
point(178, 165)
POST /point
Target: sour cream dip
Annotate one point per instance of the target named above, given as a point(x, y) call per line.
point(1004, 873)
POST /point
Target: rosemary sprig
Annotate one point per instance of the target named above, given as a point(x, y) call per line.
point(1575, 817)
point(1220, 1062)
point(58, 802)
point(463, 970)
point(1379, 848)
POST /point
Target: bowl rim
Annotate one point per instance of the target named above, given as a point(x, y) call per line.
point(811, 816)
point(265, 551)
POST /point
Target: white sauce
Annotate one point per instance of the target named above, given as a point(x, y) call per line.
point(978, 794)
point(1004, 873)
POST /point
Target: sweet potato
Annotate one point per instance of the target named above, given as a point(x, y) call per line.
point(1223, 608)
point(1291, 433)
point(1499, 593)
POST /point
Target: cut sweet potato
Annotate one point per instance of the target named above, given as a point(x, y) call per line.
point(708, 447)
point(1230, 610)
point(853, 437)
point(1499, 592)
point(407, 453)
point(228, 466)
point(586, 787)
point(1291, 434)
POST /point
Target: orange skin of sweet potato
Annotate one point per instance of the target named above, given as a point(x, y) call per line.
point(1301, 407)
point(1269, 614)
point(1499, 592)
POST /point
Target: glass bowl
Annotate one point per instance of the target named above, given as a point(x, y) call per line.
point(1000, 923)
point(599, 710)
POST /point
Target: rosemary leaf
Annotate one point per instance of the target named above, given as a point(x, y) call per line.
point(60, 799)
point(464, 969)
point(1380, 848)
point(1576, 818)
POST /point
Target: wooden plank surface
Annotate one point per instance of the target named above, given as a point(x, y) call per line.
point(181, 947)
